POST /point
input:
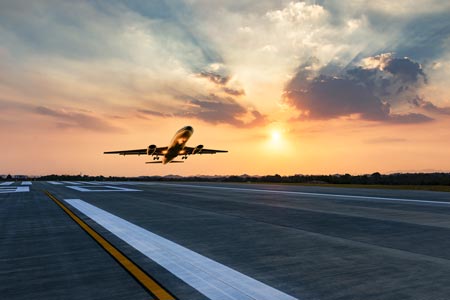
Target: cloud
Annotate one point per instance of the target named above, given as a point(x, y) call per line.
point(145, 53)
point(215, 78)
point(75, 119)
point(154, 113)
point(218, 75)
point(429, 106)
point(213, 109)
point(385, 140)
point(370, 90)
point(410, 118)
point(234, 92)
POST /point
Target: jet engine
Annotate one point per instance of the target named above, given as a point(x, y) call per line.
point(197, 149)
point(151, 149)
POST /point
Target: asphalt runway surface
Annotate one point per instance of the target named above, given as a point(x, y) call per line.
point(222, 241)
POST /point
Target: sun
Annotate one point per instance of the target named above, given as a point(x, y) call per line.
point(276, 136)
point(277, 143)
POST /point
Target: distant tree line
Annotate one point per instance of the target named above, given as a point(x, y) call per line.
point(373, 179)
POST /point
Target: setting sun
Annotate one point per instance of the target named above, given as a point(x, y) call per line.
point(276, 136)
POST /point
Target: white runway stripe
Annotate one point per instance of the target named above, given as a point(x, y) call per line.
point(7, 183)
point(355, 197)
point(26, 183)
point(54, 182)
point(72, 183)
point(14, 189)
point(212, 279)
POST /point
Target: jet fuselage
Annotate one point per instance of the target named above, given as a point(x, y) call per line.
point(177, 144)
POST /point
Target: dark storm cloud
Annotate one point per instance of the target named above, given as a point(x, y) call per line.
point(369, 92)
point(75, 119)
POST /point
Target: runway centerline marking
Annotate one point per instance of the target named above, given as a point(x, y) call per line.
point(313, 194)
point(212, 279)
point(141, 276)
point(7, 183)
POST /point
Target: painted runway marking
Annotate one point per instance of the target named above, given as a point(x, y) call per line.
point(54, 182)
point(101, 188)
point(72, 183)
point(121, 183)
point(212, 279)
point(14, 189)
point(356, 197)
point(27, 183)
point(140, 275)
point(7, 183)
point(92, 182)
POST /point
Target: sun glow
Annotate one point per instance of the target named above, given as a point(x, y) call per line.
point(275, 136)
point(277, 144)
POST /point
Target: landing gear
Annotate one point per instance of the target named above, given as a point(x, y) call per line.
point(184, 157)
point(155, 157)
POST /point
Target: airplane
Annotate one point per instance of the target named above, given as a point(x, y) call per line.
point(175, 148)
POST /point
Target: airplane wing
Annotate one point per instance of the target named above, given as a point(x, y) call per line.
point(201, 150)
point(158, 151)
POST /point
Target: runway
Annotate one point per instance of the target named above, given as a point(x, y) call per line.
point(222, 241)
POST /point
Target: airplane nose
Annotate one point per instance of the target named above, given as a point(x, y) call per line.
point(189, 128)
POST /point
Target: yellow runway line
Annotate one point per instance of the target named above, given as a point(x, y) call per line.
point(140, 275)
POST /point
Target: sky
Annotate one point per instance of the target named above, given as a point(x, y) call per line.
point(308, 87)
